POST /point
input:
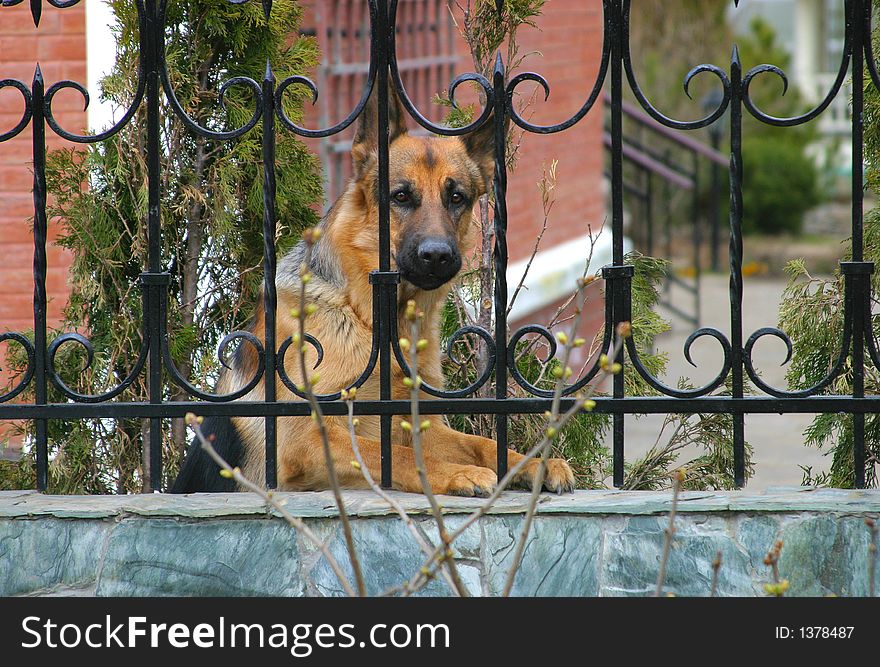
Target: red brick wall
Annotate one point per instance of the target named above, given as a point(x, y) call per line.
point(59, 46)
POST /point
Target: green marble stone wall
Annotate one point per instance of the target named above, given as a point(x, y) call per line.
point(584, 544)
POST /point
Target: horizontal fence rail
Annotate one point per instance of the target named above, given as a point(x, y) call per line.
point(615, 73)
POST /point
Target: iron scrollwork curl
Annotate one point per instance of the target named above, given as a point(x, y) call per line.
point(826, 101)
point(248, 338)
point(28, 374)
point(450, 344)
point(319, 349)
point(407, 103)
point(36, 6)
point(308, 83)
point(129, 112)
point(64, 388)
point(833, 373)
point(710, 386)
point(812, 113)
point(181, 113)
point(545, 333)
point(540, 80)
point(26, 115)
point(655, 113)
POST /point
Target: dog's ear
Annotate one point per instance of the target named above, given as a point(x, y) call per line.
point(366, 140)
point(480, 146)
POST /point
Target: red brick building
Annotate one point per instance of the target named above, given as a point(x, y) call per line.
point(430, 51)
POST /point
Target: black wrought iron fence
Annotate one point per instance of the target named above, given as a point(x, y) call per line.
point(615, 71)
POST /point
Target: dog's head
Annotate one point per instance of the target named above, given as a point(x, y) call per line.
point(434, 183)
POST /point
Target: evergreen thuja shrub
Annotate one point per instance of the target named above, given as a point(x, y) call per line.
point(211, 225)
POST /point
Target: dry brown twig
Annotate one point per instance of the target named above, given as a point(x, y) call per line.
point(872, 555)
point(296, 523)
point(779, 586)
point(552, 430)
point(716, 568)
point(678, 477)
point(429, 567)
point(311, 236)
point(418, 534)
point(416, 428)
point(546, 185)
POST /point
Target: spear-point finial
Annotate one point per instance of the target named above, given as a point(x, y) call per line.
point(267, 8)
point(269, 75)
point(499, 6)
point(38, 76)
point(499, 66)
point(36, 11)
point(734, 57)
point(736, 3)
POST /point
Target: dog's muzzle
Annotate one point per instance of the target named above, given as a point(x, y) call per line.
point(430, 263)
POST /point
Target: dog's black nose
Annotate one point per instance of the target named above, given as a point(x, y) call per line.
point(436, 256)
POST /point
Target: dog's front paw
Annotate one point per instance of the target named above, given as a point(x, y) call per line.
point(558, 478)
point(470, 481)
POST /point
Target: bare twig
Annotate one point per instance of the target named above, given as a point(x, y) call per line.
point(429, 566)
point(416, 427)
point(552, 429)
point(311, 236)
point(547, 184)
point(677, 479)
point(512, 473)
point(779, 586)
point(417, 533)
point(296, 523)
point(872, 555)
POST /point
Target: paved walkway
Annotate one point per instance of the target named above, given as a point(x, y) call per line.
point(777, 439)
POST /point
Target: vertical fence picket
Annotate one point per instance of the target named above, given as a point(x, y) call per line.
point(499, 255)
point(270, 297)
point(735, 258)
point(616, 279)
point(41, 390)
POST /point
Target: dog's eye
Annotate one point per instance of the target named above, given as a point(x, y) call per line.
point(456, 198)
point(401, 197)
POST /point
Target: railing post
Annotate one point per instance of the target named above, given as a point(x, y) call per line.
point(386, 306)
point(736, 261)
point(617, 288)
point(154, 321)
point(41, 392)
point(697, 237)
point(861, 323)
point(499, 255)
point(270, 298)
point(857, 293)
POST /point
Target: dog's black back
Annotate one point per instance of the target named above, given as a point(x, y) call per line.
point(199, 472)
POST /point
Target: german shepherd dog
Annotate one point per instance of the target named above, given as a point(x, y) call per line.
point(434, 184)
